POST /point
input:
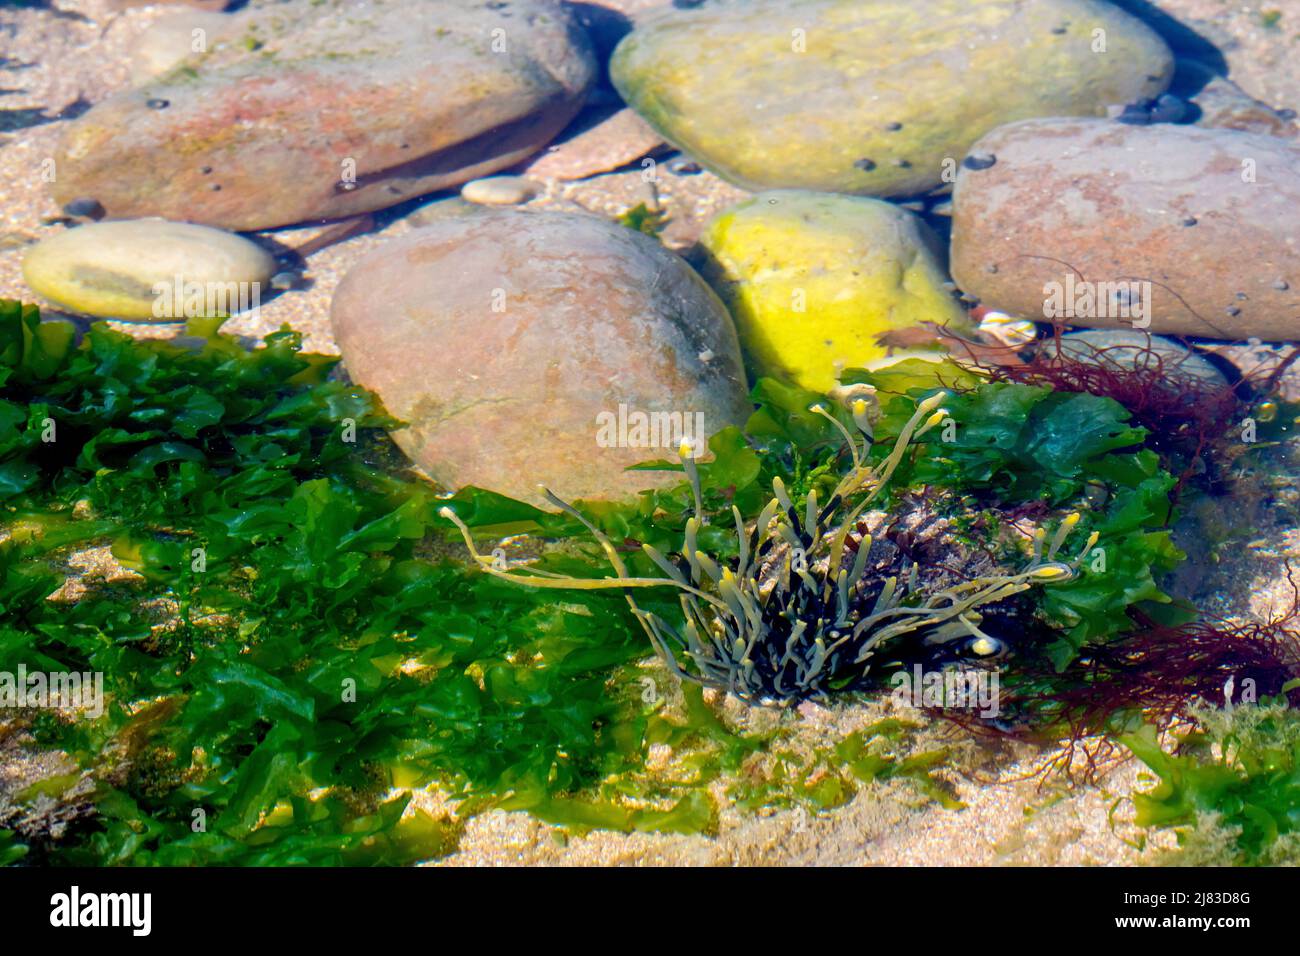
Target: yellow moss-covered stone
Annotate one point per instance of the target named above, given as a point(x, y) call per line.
point(881, 98)
point(814, 279)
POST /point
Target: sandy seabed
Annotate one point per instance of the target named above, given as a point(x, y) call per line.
point(53, 61)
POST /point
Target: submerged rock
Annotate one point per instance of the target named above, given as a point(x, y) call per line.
point(612, 140)
point(1164, 228)
point(1129, 350)
point(813, 280)
point(879, 98)
point(315, 109)
point(528, 348)
point(201, 4)
point(150, 270)
point(500, 190)
point(1225, 105)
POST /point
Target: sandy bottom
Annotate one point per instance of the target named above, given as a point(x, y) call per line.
point(55, 62)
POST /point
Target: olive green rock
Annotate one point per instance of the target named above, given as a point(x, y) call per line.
point(881, 98)
point(149, 270)
point(814, 280)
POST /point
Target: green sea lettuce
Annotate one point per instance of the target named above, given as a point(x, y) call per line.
point(287, 651)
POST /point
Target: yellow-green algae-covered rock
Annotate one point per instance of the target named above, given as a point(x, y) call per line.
point(814, 279)
point(149, 270)
point(881, 98)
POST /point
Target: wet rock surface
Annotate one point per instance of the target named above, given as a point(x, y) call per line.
point(325, 108)
point(1190, 230)
point(875, 99)
point(815, 280)
point(507, 340)
point(149, 270)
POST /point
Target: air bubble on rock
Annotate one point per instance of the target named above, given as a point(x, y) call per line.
point(344, 187)
point(866, 165)
point(991, 268)
point(1190, 221)
point(1281, 285)
point(684, 167)
point(1232, 310)
point(893, 127)
point(979, 161)
point(157, 104)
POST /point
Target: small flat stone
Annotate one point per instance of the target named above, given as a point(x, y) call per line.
point(604, 142)
point(500, 190)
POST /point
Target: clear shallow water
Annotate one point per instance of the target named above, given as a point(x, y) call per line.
point(1237, 537)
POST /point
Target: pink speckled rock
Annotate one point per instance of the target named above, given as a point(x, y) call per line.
point(508, 339)
point(1204, 220)
point(316, 109)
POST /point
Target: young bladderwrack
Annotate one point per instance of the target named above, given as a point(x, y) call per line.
point(797, 612)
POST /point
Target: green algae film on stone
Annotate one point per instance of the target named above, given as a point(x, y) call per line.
point(874, 99)
point(149, 270)
point(815, 280)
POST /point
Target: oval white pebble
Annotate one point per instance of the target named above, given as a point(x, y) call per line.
point(500, 190)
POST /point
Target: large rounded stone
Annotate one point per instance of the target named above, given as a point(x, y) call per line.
point(149, 270)
point(1166, 228)
point(814, 280)
point(314, 109)
point(880, 98)
point(531, 347)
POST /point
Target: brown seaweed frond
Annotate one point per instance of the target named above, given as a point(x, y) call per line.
point(797, 614)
